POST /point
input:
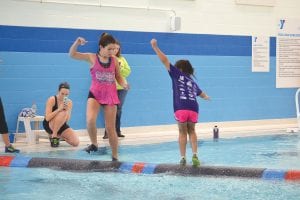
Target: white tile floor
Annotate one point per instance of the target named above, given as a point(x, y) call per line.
point(165, 133)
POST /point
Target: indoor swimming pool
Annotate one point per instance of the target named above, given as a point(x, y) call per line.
point(271, 151)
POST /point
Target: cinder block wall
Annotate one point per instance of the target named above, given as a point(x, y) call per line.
point(34, 58)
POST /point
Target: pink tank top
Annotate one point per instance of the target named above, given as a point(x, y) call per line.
point(103, 85)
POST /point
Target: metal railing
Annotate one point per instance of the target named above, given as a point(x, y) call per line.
point(297, 106)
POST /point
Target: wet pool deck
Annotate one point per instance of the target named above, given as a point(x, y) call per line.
point(165, 133)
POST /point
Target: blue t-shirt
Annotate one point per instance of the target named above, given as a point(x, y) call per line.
point(185, 90)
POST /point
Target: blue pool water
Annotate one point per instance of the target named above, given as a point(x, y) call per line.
point(273, 151)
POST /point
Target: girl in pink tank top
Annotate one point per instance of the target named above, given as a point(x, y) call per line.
point(103, 85)
point(104, 69)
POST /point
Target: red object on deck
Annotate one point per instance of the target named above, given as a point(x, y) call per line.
point(6, 160)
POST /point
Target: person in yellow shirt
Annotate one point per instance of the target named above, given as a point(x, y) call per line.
point(125, 71)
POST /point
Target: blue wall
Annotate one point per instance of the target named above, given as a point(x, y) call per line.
point(36, 60)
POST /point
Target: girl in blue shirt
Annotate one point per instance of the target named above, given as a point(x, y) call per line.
point(185, 92)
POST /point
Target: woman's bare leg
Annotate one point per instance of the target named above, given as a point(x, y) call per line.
point(56, 123)
point(110, 121)
point(5, 138)
point(70, 137)
point(92, 111)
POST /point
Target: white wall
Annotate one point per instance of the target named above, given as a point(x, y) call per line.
point(197, 16)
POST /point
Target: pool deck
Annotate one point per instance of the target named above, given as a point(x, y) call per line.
point(165, 133)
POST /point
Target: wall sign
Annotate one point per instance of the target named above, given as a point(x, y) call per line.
point(288, 54)
point(260, 54)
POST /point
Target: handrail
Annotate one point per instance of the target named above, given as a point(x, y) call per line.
point(297, 106)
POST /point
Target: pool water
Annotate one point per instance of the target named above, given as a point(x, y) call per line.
point(277, 151)
point(47, 184)
point(271, 151)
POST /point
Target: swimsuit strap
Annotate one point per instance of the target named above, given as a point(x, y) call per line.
point(55, 105)
point(104, 65)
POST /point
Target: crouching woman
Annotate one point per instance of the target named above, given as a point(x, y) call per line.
point(57, 114)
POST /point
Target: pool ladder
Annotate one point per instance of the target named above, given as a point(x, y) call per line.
point(297, 107)
point(296, 129)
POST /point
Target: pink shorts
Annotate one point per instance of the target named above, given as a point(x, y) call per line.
point(186, 116)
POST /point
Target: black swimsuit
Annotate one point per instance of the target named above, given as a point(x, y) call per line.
point(46, 123)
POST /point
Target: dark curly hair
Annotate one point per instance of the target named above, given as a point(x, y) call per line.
point(185, 66)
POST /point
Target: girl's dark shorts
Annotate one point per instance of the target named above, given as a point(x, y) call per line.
point(60, 131)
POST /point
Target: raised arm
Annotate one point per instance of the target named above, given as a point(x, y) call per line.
point(73, 52)
point(163, 58)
